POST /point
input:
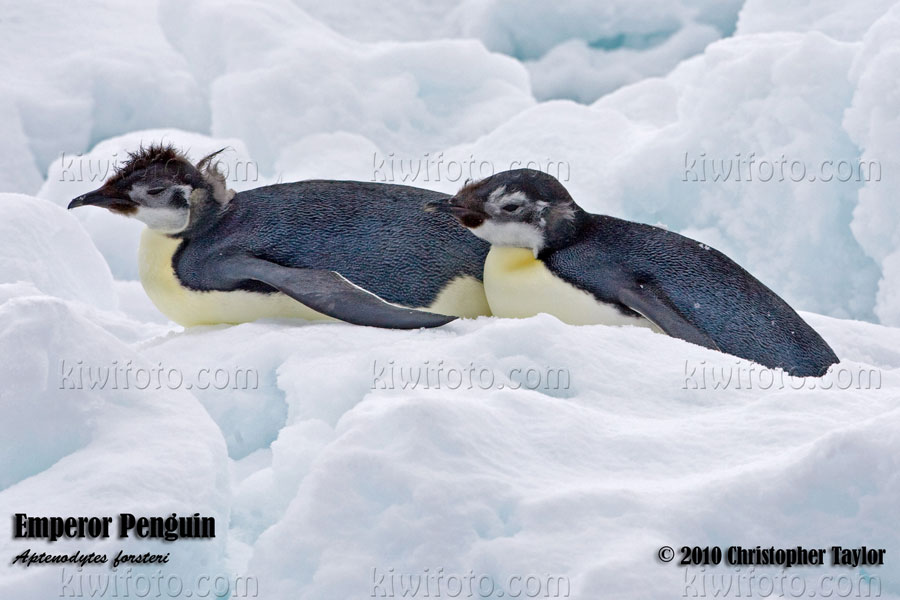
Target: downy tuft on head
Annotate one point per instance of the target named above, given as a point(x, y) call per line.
point(521, 208)
point(160, 186)
point(167, 154)
point(215, 178)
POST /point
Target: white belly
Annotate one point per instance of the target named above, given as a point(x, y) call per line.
point(463, 297)
point(519, 285)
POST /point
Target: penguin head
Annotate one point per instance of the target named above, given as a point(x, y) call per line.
point(161, 187)
point(521, 208)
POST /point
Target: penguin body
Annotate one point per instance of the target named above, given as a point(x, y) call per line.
point(372, 234)
point(364, 253)
point(189, 307)
point(548, 255)
point(519, 285)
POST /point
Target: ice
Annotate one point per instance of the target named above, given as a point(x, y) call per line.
point(578, 71)
point(581, 50)
point(341, 460)
point(339, 155)
point(574, 49)
point(80, 76)
point(481, 480)
point(44, 247)
point(840, 20)
point(72, 450)
point(18, 171)
point(760, 97)
point(405, 20)
point(323, 82)
point(873, 121)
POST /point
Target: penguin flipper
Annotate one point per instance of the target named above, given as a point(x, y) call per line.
point(656, 308)
point(331, 294)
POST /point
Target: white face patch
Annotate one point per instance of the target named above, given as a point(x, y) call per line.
point(156, 211)
point(498, 198)
point(164, 220)
point(513, 234)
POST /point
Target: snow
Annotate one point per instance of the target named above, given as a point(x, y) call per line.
point(840, 20)
point(770, 96)
point(873, 121)
point(574, 49)
point(334, 471)
point(84, 452)
point(322, 475)
point(80, 74)
point(79, 271)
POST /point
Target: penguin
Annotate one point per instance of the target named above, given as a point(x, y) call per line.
point(363, 253)
point(549, 255)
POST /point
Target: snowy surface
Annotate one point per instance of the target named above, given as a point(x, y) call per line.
point(327, 471)
point(319, 475)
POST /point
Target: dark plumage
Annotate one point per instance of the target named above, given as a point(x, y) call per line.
point(144, 157)
point(374, 234)
point(734, 310)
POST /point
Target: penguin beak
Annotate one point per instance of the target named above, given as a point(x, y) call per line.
point(108, 198)
point(470, 214)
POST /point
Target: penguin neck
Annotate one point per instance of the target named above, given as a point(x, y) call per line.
point(205, 213)
point(562, 231)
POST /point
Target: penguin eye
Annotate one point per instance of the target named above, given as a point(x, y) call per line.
point(156, 191)
point(510, 207)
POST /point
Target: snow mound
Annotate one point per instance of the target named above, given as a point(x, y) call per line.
point(291, 77)
point(844, 21)
point(47, 249)
point(79, 444)
point(778, 100)
point(581, 50)
point(873, 121)
point(579, 71)
point(481, 478)
point(573, 49)
point(84, 75)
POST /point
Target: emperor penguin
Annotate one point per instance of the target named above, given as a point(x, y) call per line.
point(363, 253)
point(549, 255)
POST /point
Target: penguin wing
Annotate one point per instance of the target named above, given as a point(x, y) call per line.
point(656, 307)
point(331, 294)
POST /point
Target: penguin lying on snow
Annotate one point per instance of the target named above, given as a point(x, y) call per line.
point(548, 255)
point(364, 253)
